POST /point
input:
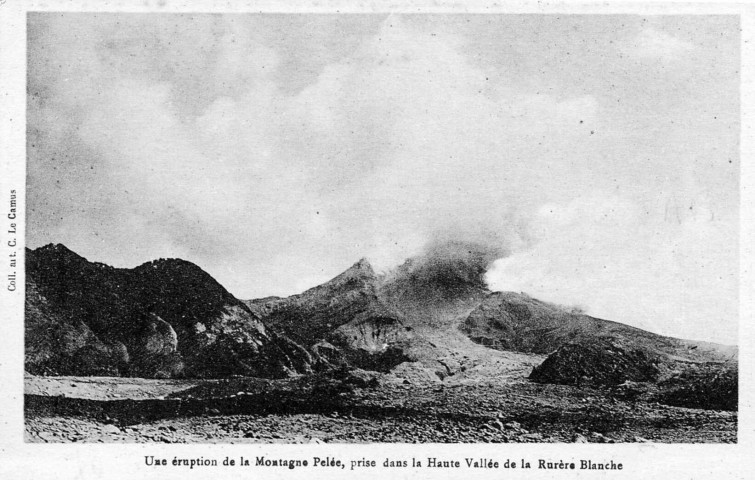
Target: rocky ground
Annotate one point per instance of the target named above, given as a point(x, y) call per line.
point(356, 408)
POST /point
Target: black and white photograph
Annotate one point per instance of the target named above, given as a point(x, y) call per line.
point(316, 228)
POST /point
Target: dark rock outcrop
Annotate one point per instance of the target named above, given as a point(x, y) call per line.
point(599, 361)
point(707, 386)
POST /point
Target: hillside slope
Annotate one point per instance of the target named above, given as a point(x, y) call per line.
point(518, 322)
point(342, 322)
point(163, 318)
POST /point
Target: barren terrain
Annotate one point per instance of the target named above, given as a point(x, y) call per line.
point(425, 353)
point(464, 409)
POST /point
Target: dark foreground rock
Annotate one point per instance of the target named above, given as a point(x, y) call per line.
point(633, 373)
point(709, 386)
point(600, 361)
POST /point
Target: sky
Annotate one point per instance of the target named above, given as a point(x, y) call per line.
point(597, 155)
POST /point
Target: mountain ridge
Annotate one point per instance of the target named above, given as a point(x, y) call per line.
point(141, 310)
point(432, 314)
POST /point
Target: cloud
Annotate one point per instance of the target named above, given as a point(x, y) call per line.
point(399, 144)
point(655, 44)
point(603, 253)
point(202, 138)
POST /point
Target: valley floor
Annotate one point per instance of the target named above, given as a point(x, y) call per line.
point(304, 410)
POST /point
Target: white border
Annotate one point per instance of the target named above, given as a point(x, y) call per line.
point(19, 460)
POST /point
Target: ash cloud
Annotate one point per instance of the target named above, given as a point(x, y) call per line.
point(448, 266)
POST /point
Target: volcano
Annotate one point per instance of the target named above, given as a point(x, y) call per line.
point(431, 318)
point(425, 352)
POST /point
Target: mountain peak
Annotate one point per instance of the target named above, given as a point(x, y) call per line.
point(363, 265)
point(357, 276)
point(361, 270)
point(56, 251)
point(170, 264)
point(54, 247)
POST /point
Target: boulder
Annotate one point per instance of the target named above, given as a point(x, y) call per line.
point(597, 361)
